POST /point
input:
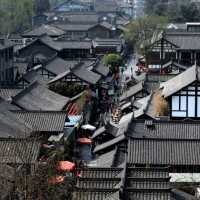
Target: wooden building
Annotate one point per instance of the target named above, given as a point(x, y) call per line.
point(38, 97)
point(44, 48)
point(104, 46)
point(183, 47)
point(6, 64)
point(49, 30)
point(182, 93)
point(78, 74)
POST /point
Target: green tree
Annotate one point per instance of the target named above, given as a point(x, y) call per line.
point(15, 15)
point(190, 13)
point(42, 6)
point(175, 10)
point(140, 32)
point(113, 61)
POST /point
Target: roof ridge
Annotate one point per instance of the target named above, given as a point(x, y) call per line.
point(26, 89)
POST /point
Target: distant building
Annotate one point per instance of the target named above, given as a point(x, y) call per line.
point(75, 6)
point(138, 6)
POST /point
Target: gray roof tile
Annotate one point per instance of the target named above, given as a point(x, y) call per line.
point(164, 152)
point(39, 97)
point(19, 151)
point(44, 29)
point(43, 121)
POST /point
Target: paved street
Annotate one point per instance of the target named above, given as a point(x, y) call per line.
point(131, 68)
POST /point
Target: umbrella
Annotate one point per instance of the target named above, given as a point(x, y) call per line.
point(84, 141)
point(66, 166)
point(88, 127)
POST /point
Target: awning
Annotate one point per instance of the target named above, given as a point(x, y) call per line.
point(73, 120)
point(56, 138)
point(88, 127)
point(84, 141)
point(66, 166)
point(56, 180)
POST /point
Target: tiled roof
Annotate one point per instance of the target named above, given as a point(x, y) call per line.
point(109, 143)
point(31, 76)
point(75, 27)
point(105, 160)
point(84, 44)
point(184, 40)
point(101, 69)
point(17, 151)
point(147, 173)
point(108, 43)
point(156, 195)
point(43, 121)
point(152, 81)
point(39, 97)
point(84, 65)
point(159, 77)
point(44, 29)
point(85, 75)
point(6, 94)
point(102, 180)
point(95, 195)
point(114, 130)
point(147, 183)
point(83, 183)
point(99, 131)
point(145, 107)
point(101, 173)
point(180, 81)
point(58, 65)
point(11, 126)
point(81, 17)
point(132, 91)
point(165, 129)
point(164, 152)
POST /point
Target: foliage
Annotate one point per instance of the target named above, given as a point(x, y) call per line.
point(15, 15)
point(66, 89)
point(160, 105)
point(190, 13)
point(56, 2)
point(42, 6)
point(112, 60)
point(140, 32)
point(176, 11)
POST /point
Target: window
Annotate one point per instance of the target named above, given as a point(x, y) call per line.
point(178, 106)
point(186, 103)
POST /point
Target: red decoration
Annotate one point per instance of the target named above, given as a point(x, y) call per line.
point(84, 141)
point(66, 166)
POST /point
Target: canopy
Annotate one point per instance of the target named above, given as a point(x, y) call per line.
point(84, 141)
point(66, 166)
point(56, 180)
point(88, 127)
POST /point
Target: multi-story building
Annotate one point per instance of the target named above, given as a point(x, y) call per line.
point(138, 8)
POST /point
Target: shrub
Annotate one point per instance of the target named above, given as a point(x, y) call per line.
point(67, 90)
point(160, 105)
